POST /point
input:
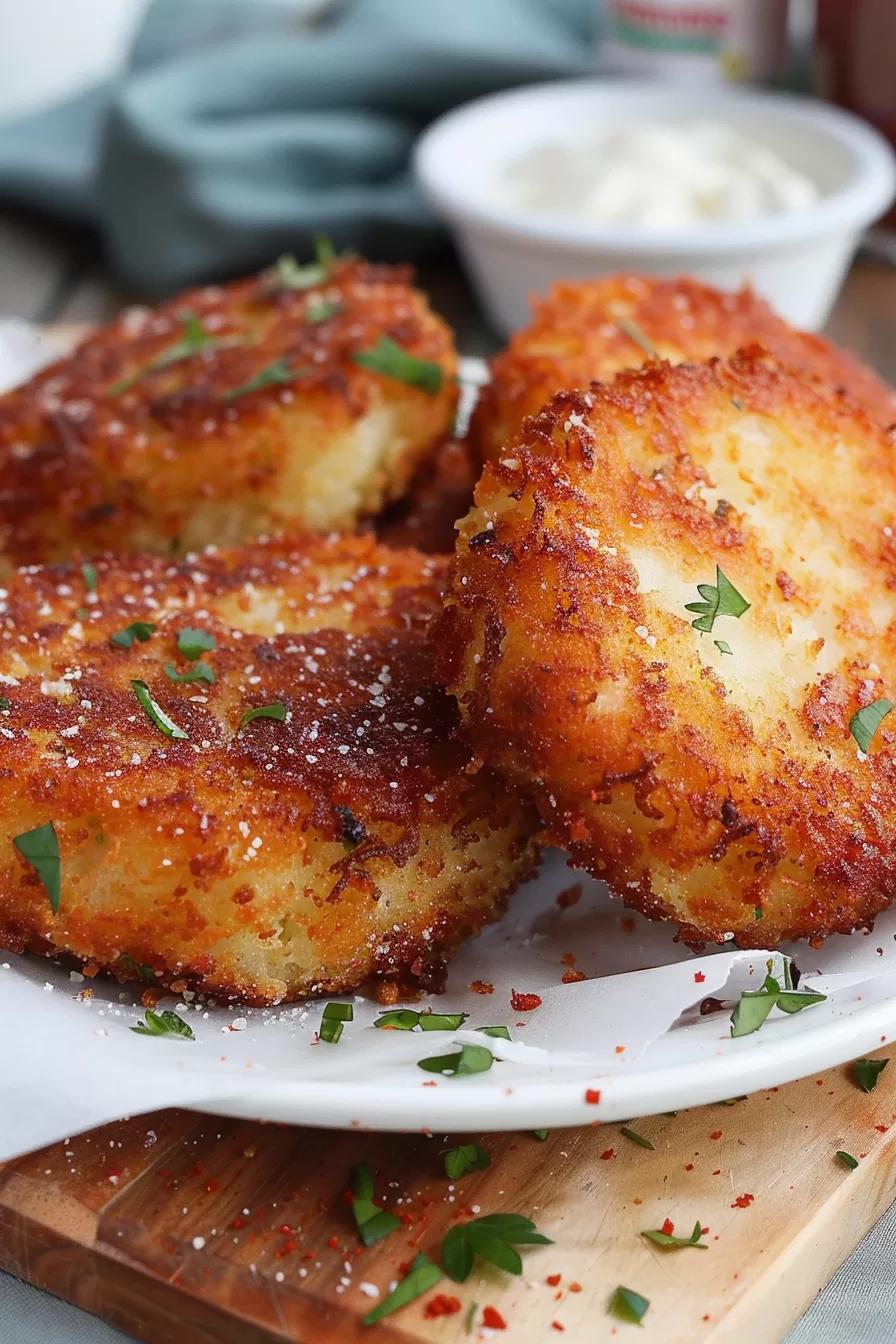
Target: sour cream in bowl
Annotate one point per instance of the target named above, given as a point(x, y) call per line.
point(576, 179)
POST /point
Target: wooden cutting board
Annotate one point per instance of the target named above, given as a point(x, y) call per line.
point(182, 1229)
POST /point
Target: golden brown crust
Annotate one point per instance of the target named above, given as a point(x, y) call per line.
point(261, 863)
point(440, 494)
point(721, 790)
point(574, 338)
point(103, 452)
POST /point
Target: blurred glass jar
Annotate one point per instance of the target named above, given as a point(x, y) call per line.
point(709, 41)
point(855, 61)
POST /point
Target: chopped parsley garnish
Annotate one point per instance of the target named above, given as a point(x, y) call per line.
point(868, 1071)
point(194, 339)
point(666, 1239)
point(500, 1032)
point(277, 712)
point(167, 1023)
point(88, 572)
point(82, 613)
point(145, 972)
point(286, 273)
point(421, 1276)
point(627, 1305)
point(719, 599)
point(156, 714)
point(392, 361)
point(491, 1238)
point(4, 703)
point(137, 630)
point(372, 1222)
point(278, 372)
point(334, 1015)
point(470, 1318)
point(864, 724)
point(847, 1159)
point(639, 1139)
point(41, 848)
point(468, 1157)
point(756, 1004)
point(192, 644)
point(634, 333)
point(319, 309)
point(541, 1134)
point(469, 1059)
point(406, 1019)
point(722, 646)
point(198, 672)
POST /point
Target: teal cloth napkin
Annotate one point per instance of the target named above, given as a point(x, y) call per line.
point(237, 131)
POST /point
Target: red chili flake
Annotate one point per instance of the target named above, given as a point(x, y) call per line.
point(309, 1255)
point(555, 1325)
point(286, 1230)
point(637, 1201)
point(442, 1305)
point(524, 1003)
point(592, 1096)
point(699, 977)
point(198, 1169)
point(882, 1129)
point(493, 1319)
point(572, 977)
point(570, 897)
point(238, 1223)
point(605, 1156)
point(212, 1186)
point(689, 1166)
point(481, 987)
point(553, 1279)
point(718, 1173)
point(743, 1202)
point(575, 1287)
point(627, 923)
point(620, 1049)
point(568, 959)
point(333, 1242)
point(668, 1227)
point(716, 1134)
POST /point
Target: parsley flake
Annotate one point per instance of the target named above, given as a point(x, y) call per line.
point(194, 339)
point(468, 1157)
point(421, 1276)
point(756, 1004)
point(392, 361)
point(847, 1159)
point(491, 1238)
point(137, 630)
point(167, 1023)
point(541, 1135)
point(145, 972)
point(501, 1033)
point(637, 1138)
point(319, 309)
point(723, 646)
point(627, 1305)
point(198, 672)
point(88, 573)
point(41, 848)
point(332, 1019)
point(469, 1059)
point(865, 723)
point(634, 333)
point(666, 1239)
point(287, 274)
point(192, 644)
point(719, 599)
point(402, 1019)
point(4, 703)
point(868, 1071)
point(406, 1019)
point(276, 711)
point(372, 1222)
point(156, 714)
point(278, 372)
point(442, 1021)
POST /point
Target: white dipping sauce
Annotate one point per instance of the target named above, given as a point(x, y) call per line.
point(659, 177)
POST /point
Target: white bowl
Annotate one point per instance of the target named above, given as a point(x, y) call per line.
point(795, 260)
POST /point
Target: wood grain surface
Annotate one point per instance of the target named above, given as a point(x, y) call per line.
point(184, 1229)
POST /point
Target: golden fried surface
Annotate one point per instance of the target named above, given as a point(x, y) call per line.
point(134, 443)
point(262, 862)
point(575, 337)
point(720, 789)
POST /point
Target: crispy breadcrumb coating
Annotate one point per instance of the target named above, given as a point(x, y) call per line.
point(576, 337)
point(226, 413)
point(354, 839)
point(710, 775)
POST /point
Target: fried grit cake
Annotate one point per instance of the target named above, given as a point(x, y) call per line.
point(250, 770)
point(673, 619)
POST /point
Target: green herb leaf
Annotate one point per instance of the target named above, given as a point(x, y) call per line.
point(864, 724)
point(137, 630)
point(722, 646)
point(402, 1019)
point(490, 1238)
point(756, 1004)
point(192, 644)
point(636, 1138)
point(666, 1239)
point(634, 333)
point(4, 703)
point(198, 672)
point(88, 572)
point(847, 1159)
point(324, 251)
point(868, 1071)
point(145, 972)
point(41, 848)
point(286, 273)
point(278, 372)
point(719, 599)
point(442, 1021)
point(406, 1019)
point(470, 1318)
point(468, 1157)
point(194, 339)
point(167, 1023)
point(500, 1032)
point(334, 1015)
point(319, 309)
point(421, 1276)
point(340, 1012)
point(392, 361)
point(627, 1305)
point(372, 1222)
point(277, 712)
point(541, 1134)
point(156, 714)
point(469, 1059)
